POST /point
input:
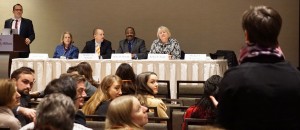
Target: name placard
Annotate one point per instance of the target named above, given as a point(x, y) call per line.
point(38, 56)
point(120, 56)
point(88, 56)
point(158, 56)
point(195, 57)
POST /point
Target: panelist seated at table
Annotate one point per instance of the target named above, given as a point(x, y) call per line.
point(133, 45)
point(98, 45)
point(66, 49)
point(165, 44)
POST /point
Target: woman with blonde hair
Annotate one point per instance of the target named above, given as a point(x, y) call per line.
point(126, 112)
point(9, 99)
point(66, 49)
point(109, 89)
point(165, 44)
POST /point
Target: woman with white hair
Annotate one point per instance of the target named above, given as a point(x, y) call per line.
point(165, 44)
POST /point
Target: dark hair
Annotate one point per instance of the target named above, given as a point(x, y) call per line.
point(56, 111)
point(22, 70)
point(72, 69)
point(130, 28)
point(125, 72)
point(65, 85)
point(85, 69)
point(263, 25)
point(17, 5)
point(128, 87)
point(211, 88)
point(141, 83)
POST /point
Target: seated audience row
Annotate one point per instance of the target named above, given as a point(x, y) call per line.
point(134, 45)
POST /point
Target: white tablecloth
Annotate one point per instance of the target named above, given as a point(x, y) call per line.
point(172, 70)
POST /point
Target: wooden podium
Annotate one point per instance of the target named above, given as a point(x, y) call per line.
point(10, 45)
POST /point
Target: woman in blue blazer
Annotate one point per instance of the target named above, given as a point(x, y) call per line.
point(66, 49)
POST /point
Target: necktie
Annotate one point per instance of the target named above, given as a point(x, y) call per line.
point(16, 24)
point(98, 50)
point(129, 46)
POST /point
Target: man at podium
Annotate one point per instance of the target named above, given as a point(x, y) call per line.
point(24, 28)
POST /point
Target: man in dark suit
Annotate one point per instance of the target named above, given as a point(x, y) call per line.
point(133, 45)
point(24, 27)
point(105, 45)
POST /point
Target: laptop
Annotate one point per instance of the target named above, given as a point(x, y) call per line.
point(9, 31)
point(5, 31)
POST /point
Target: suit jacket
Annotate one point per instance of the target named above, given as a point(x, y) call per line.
point(105, 48)
point(71, 53)
point(138, 47)
point(26, 29)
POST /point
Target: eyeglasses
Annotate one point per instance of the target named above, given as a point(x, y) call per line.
point(28, 82)
point(18, 9)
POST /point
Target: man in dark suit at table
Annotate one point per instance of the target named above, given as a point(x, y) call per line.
point(133, 45)
point(98, 45)
point(24, 28)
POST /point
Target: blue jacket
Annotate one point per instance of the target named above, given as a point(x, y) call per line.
point(71, 53)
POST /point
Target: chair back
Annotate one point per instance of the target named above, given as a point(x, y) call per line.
point(188, 91)
point(96, 125)
point(158, 126)
point(176, 116)
point(163, 89)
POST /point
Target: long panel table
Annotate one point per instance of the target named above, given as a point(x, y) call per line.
point(172, 70)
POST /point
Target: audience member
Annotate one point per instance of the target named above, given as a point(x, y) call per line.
point(147, 88)
point(126, 112)
point(98, 45)
point(24, 78)
point(133, 45)
point(66, 49)
point(109, 89)
point(126, 73)
point(55, 112)
point(9, 99)
point(90, 89)
point(84, 68)
point(23, 26)
point(262, 92)
point(80, 95)
point(165, 44)
point(205, 107)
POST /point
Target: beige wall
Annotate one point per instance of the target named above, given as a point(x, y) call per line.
point(201, 26)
